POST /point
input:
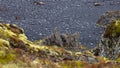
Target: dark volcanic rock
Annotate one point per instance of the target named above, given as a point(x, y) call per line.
point(63, 40)
point(108, 17)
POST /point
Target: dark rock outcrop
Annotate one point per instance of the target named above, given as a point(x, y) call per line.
point(68, 41)
point(109, 45)
point(108, 17)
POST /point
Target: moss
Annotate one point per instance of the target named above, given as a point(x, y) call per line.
point(6, 53)
point(113, 29)
point(118, 59)
point(71, 64)
point(4, 43)
point(7, 56)
point(102, 59)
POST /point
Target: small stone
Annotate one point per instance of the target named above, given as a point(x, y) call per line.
point(40, 34)
point(97, 4)
point(17, 17)
point(39, 3)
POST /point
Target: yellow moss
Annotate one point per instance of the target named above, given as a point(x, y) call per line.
point(22, 37)
point(78, 53)
point(4, 43)
point(118, 59)
point(116, 27)
point(6, 53)
point(103, 59)
point(113, 29)
point(7, 56)
point(38, 47)
point(72, 64)
point(79, 64)
point(69, 52)
point(39, 42)
point(4, 33)
point(2, 53)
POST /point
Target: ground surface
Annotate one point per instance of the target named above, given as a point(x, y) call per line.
point(68, 15)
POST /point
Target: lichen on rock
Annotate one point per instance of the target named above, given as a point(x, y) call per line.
point(109, 45)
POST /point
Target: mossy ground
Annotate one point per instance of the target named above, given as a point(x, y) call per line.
point(16, 51)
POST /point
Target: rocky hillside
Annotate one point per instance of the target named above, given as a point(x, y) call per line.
point(58, 50)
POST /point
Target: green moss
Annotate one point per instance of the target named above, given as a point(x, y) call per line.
point(118, 59)
point(6, 52)
point(7, 56)
point(113, 29)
